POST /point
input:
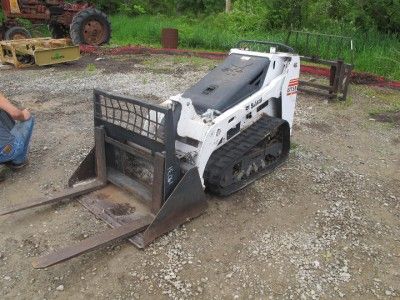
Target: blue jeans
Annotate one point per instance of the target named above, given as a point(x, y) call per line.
point(17, 151)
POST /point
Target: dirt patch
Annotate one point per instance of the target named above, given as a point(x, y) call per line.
point(122, 209)
point(387, 117)
point(108, 65)
point(319, 126)
point(363, 78)
point(396, 141)
point(356, 78)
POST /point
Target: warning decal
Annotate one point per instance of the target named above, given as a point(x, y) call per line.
point(292, 88)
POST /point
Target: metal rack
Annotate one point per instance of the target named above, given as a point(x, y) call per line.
point(329, 50)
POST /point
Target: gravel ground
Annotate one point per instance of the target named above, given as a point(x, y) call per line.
point(326, 225)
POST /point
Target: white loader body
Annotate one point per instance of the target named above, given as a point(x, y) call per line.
point(209, 130)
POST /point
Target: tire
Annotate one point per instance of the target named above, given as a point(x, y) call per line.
point(17, 33)
point(91, 27)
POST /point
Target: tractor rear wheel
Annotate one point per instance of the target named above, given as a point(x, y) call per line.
point(17, 33)
point(90, 26)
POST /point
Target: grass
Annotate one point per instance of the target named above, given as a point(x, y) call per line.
point(192, 34)
point(192, 60)
point(153, 62)
point(382, 105)
point(294, 146)
point(374, 53)
point(345, 104)
point(91, 68)
point(389, 101)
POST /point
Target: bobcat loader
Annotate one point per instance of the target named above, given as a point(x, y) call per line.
point(150, 165)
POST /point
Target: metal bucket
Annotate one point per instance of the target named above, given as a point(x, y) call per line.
point(169, 38)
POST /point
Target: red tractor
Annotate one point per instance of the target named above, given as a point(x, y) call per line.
point(80, 20)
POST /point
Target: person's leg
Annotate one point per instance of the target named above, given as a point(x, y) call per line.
point(15, 153)
point(22, 131)
point(10, 151)
point(7, 148)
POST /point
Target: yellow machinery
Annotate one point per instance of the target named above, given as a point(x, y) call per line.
point(39, 51)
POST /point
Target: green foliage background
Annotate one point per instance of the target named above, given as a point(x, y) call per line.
point(374, 25)
point(331, 15)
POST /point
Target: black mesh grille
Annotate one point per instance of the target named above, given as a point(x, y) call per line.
point(136, 123)
point(141, 118)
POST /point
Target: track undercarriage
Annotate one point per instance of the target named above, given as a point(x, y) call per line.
point(254, 153)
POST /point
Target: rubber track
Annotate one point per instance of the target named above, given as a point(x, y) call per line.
point(235, 149)
point(78, 20)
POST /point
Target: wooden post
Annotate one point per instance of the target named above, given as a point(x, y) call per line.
point(336, 78)
point(228, 6)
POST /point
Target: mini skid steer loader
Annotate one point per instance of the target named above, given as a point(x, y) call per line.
point(150, 165)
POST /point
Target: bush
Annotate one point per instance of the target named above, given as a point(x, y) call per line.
point(131, 9)
point(343, 15)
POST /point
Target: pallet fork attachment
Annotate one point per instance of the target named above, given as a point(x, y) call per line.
point(129, 133)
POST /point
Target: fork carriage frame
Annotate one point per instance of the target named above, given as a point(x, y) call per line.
point(174, 193)
point(133, 209)
point(340, 71)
